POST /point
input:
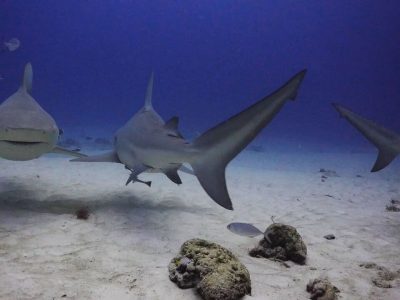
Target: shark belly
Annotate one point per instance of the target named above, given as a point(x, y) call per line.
point(151, 157)
point(158, 158)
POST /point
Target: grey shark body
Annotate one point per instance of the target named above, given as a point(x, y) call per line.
point(26, 130)
point(387, 141)
point(148, 144)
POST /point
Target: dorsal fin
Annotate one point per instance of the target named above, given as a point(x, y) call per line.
point(149, 93)
point(27, 79)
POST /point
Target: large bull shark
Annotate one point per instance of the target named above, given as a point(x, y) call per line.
point(387, 141)
point(148, 144)
point(26, 130)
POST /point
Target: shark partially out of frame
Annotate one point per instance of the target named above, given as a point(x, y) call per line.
point(26, 130)
point(387, 141)
point(148, 144)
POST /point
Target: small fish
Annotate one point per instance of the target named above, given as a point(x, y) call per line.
point(12, 44)
point(244, 229)
point(133, 177)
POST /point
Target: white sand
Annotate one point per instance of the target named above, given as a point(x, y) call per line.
point(122, 251)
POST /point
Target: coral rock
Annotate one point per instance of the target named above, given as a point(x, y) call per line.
point(322, 289)
point(281, 242)
point(213, 270)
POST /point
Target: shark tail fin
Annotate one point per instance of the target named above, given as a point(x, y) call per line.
point(374, 133)
point(385, 157)
point(220, 144)
point(28, 78)
point(148, 105)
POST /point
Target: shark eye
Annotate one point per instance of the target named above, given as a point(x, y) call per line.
point(172, 135)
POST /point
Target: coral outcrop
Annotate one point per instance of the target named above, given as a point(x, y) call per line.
point(281, 242)
point(213, 270)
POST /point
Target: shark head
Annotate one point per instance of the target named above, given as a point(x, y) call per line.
point(26, 129)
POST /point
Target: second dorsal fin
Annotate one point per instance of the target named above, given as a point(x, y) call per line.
point(172, 127)
point(172, 123)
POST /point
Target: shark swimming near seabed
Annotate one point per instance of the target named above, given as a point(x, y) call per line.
point(148, 144)
point(387, 141)
point(27, 131)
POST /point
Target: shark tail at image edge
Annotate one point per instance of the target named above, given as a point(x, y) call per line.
point(374, 133)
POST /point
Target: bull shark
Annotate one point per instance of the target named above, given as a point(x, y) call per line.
point(26, 130)
point(148, 144)
point(387, 141)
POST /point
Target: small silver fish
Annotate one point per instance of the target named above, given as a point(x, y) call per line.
point(244, 229)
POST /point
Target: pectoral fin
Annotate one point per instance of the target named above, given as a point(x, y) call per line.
point(105, 157)
point(60, 150)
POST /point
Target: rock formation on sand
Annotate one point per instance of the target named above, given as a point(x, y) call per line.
point(322, 289)
point(384, 277)
point(281, 242)
point(213, 270)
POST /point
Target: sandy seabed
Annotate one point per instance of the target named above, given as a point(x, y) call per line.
point(122, 251)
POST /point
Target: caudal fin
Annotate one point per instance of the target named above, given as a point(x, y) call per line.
point(385, 157)
point(220, 144)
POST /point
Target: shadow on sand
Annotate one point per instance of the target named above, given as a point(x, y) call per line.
point(22, 196)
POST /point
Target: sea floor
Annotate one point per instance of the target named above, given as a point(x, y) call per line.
point(123, 249)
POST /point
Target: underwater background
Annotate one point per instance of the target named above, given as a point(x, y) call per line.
point(75, 231)
point(211, 59)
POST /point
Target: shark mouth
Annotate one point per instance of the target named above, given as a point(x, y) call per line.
point(18, 143)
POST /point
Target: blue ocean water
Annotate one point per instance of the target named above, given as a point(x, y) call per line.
point(211, 59)
point(73, 230)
